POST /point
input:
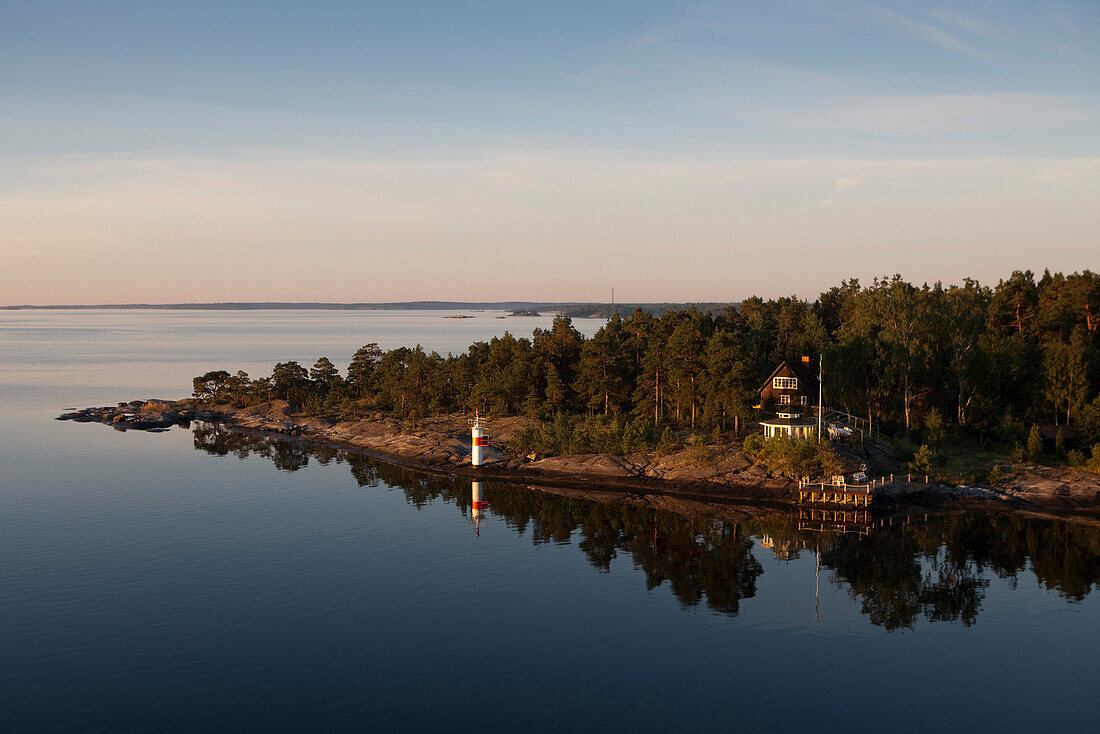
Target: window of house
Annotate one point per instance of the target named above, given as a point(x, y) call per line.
point(784, 399)
point(785, 383)
point(804, 400)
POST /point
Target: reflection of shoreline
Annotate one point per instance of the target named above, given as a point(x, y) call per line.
point(903, 570)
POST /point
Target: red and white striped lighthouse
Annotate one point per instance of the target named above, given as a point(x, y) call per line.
point(478, 440)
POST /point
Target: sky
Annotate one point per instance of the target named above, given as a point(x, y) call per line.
point(676, 151)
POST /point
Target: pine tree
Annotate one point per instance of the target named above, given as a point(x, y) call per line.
point(324, 375)
point(559, 350)
point(361, 369)
point(687, 348)
point(605, 370)
point(290, 381)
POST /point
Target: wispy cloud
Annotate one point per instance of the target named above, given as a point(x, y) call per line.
point(910, 113)
point(708, 37)
point(846, 182)
point(967, 23)
point(931, 34)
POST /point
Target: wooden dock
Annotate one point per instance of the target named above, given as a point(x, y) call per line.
point(820, 493)
point(858, 495)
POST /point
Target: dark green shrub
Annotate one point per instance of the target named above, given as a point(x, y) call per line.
point(1034, 445)
point(752, 444)
point(922, 461)
point(1093, 463)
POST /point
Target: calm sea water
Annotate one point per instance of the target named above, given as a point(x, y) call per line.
point(200, 580)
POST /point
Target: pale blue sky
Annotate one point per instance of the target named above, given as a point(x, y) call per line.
point(676, 151)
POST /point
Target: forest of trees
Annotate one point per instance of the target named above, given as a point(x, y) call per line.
point(983, 361)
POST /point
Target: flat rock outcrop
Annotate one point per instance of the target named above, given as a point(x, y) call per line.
point(694, 474)
point(1053, 487)
point(141, 415)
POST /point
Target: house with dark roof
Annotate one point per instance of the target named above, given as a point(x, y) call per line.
point(789, 392)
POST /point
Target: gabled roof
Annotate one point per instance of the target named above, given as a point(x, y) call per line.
point(806, 373)
point(1051, 432)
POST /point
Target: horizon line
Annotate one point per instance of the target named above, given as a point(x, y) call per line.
point(347, 304)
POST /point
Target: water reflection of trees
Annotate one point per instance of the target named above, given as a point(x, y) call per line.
point(936, 569)
point(703, 559)
point(897, 579)
point(939, 568)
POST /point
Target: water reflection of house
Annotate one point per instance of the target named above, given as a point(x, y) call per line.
point(785, 549)
point(786, 543)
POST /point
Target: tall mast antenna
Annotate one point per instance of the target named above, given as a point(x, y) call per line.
point(820, 389)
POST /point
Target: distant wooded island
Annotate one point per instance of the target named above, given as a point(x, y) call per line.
point(518, 308)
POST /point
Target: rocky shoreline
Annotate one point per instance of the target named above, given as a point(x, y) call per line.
point(718, 474)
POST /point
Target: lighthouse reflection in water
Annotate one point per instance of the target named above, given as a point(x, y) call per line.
point(477, 508)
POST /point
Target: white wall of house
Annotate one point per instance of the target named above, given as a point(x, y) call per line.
point(792, 431)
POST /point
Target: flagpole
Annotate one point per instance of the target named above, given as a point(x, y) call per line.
point(820, 388)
